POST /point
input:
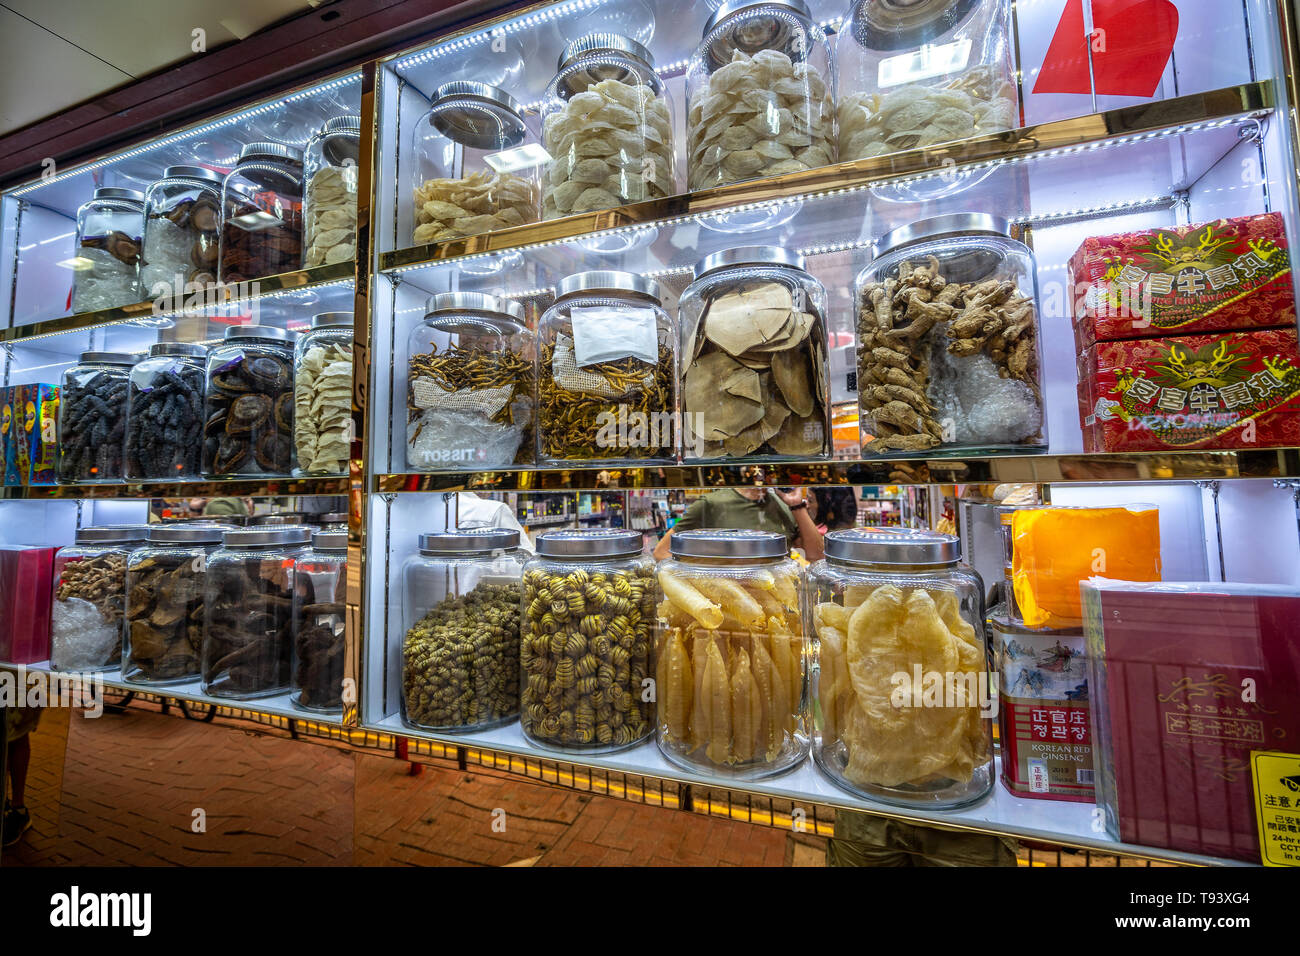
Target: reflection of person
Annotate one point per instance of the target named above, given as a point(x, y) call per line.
point(759, 509)
point(470, 511)
point(835, 508)
point(227, 506)
point(21, 722)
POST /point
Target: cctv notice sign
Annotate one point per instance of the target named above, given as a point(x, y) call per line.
point(1276, 777)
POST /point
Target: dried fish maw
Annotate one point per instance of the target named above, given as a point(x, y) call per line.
point(753, 437)
point(790, 373)
point(699, 699)
point(748, 317)
point(676, 688)
point(830, 673)
point(717, 707)
point(787, 656)
point(800, 436)
point(687, 598)
point(734, 600)
point(786, 586)
point(828, 614)
point(774, 693)
point(746, 711)
point(743, 383)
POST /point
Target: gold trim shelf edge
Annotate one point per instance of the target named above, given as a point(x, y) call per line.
point(207, 488)
point(1212, 106)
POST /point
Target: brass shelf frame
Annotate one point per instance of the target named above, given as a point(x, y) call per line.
point(203, 488)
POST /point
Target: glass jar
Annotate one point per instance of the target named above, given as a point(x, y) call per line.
point(322, 395)
point(164, 414)
point(320, 602)
point(905, 712)
point(261, 202)
point(948, 341)
point(248, 612)
point(588, 617)
point(182, 231)
point(248, 410)
point(92, 418)
point(912, 75)
point(469, 384)
point(89, 598)
point(729, 655)
point(476, 164)
point(606, 372)
point(164, 602)
point(754, 346)
point(607, 124)
point(109, 232)
point(761, 94)
point(460, 652)
point(330, 174)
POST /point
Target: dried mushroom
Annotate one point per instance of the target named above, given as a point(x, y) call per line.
point(248, 425)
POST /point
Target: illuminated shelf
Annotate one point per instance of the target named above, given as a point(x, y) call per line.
point(202, 488)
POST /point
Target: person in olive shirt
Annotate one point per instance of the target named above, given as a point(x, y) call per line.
point(758, 509)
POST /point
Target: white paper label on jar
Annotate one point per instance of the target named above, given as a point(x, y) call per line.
point(602, 334)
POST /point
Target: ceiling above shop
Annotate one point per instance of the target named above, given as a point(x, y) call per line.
point(59, 54)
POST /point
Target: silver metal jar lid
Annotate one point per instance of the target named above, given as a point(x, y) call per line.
point(112, 534)
point(341, 124)
point(107, 358)
point(712, 543)
point(257, 537)
point(486, 118)
point(450, 303)
point(469, 541)
point(259, 332)
point(749, 256)
point(334, 517)
point(189, 531)
point(596, 543)
point(330, 540)
point(282, 518)
point(608, 280)
point(889, 25)
point(953, 224)
point(772, 31)
point(176, 348)
point(276, 151)
point(604, 43)
point(609, 46)
point(116, 192)
point(906, 546)
point(322, 319)
point(192, 172)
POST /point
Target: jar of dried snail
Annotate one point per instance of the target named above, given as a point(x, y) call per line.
point(761, 94)
point(89, 598)
point(473, 170)
point(607, 124)
point(460, 620)
point(948, 354)
point(916, 74)
point(469, 384)
point(329, 208)
point(606, 372)
point(261, 213)
point(904, 706)
point(729, 655)
point(588, 615)
point(110, 229)
point(92, 418)
point(248, 409)
point(322, 395)
point(182, 231)
point(754, 347)
point(320, 594)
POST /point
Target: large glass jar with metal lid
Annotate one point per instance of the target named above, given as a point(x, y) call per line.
point(476, 164)
point(182, 231)
point(163, 637)
point(164, 413)
point(607, 124)
point(948, 354)
point(729, 655)
point(754, 351)
point(92, 417)
point(606, 372)
point(460, 625)
point(333, 521)
point(330, 171)
point(469, 384)
point(905, 712)
point(89, 597)
point(248, 409)
point(921, 73)
point(320, 596)
point(110, 230)
point(588, 624)
point(761, 94)
point(261, 202)
point(322, 395)
point(248, 612)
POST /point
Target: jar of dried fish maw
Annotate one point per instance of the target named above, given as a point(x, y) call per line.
point(608, 127)
point(948, 354)
point(915, 73)
point(330, 172)
point(469, 384)
point(607, 372)
point(588, 618)
point(761, 94)
point(754, 347)
point(904, 705)
point(729, 654)
point(473, 169)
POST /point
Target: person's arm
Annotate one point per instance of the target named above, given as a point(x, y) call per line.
point(692, 517)
point(810, 540)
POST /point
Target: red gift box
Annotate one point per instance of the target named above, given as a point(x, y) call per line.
point(1187, 680)
point(1184, 280)
point(26, 586)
